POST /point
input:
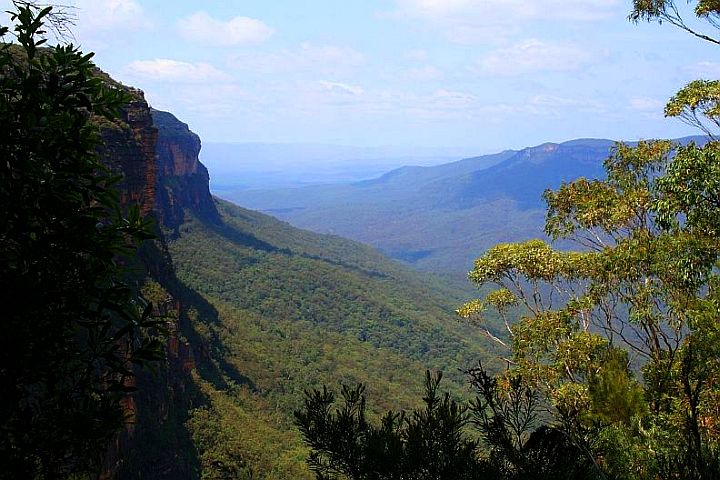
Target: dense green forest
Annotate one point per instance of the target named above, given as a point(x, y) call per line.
point(297, 310)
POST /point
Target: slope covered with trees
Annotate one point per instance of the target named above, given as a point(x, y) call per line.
point(297, 310)
point(256, 311)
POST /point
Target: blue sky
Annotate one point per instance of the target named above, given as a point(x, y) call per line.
point(480, 74)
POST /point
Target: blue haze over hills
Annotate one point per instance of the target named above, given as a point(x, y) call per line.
point(266, 165)
point(438, 218)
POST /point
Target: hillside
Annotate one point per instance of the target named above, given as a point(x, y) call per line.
point(297, 310)
point(260, 311)
point(439, 218)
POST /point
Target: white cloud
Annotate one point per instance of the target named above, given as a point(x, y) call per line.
point(337, 87)
point(647, 104)
point(580, 10)
point(442, 104)
point(705, 70)
point(534, 56)
point(473, 21)
point(96, 15)
point(427, 73)
point(418, 55)
point(451, 95)
point(202, 28)
point(173, 71)
point(330, 54)
point(555, 106)
point(210, 102)
point(436, 7)
point(544, 100)
point(327, 59)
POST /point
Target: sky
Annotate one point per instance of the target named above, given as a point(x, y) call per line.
point(484, 75)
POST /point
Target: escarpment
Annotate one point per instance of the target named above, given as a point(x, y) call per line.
point(183, 182)
point(129, 148)
point(157, 157)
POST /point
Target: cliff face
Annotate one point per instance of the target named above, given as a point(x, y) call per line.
point(128, 147)
point(183, 182)
point(158, 158)
point(157, 155)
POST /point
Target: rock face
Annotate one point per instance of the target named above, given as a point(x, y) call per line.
point(157, 156)
point(183, 182)
point(128, 148)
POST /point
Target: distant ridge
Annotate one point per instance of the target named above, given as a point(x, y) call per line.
point(441, 217)
point(263, 165)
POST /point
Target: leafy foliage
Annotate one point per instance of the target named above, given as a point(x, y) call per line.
point(426, 444)
point(668, 11)
point(435, 442)
point(73, 327)
point(295, 310)
point(509, 414)
point(643, 281)
point(698, 104)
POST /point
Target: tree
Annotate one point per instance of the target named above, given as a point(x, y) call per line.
point(507, 412)
point(643, 282)
point(426, 444)
point(668, 11)
point(72, 325)
point(435, 442)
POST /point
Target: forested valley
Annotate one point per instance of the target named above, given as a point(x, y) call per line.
point(156, 331)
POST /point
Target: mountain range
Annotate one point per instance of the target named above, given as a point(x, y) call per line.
point(440, 218)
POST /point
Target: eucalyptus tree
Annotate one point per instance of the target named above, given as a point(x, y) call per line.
point(622, 333)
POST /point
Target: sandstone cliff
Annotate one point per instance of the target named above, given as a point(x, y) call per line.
point(157, 155)
point(183, 182)
point(129, 148)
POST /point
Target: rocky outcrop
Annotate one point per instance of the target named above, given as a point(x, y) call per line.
point(129, 148)
point(162, 174)
point(183, 182)
point(155, 443)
